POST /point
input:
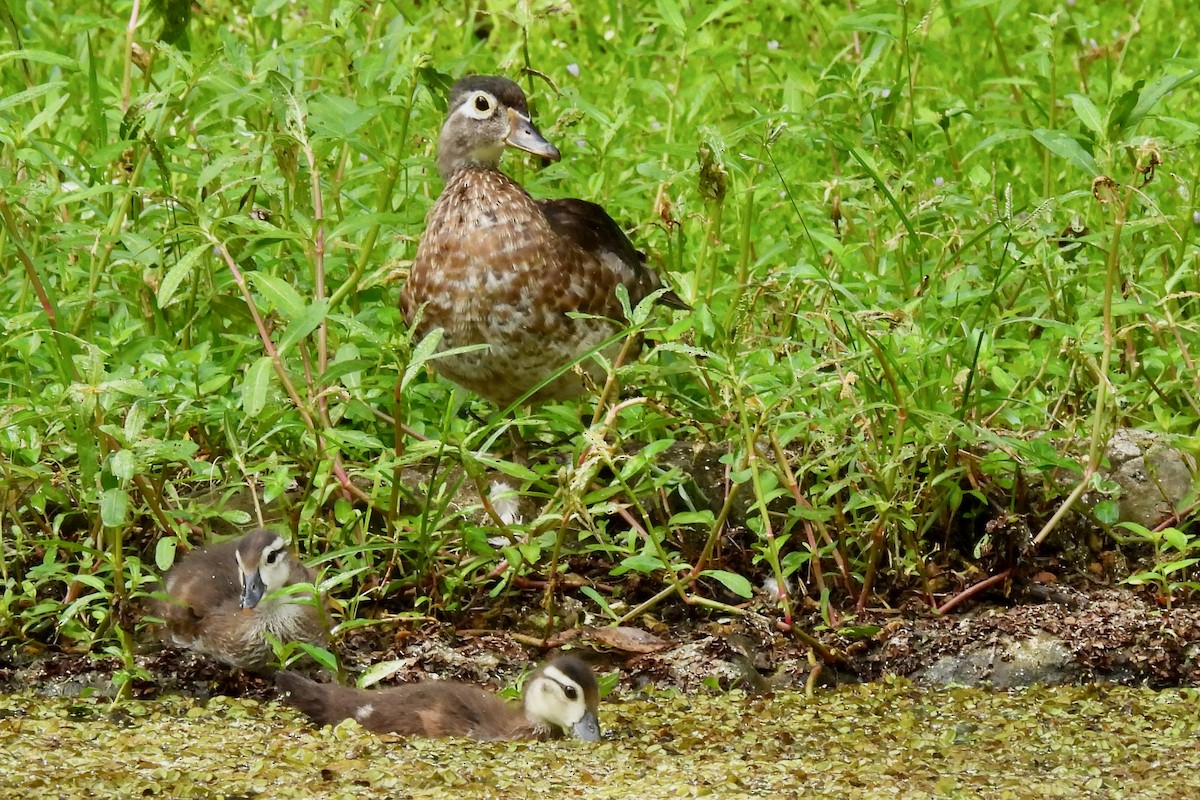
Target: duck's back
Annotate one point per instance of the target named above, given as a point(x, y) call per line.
point(203, 583)
point(430, 708)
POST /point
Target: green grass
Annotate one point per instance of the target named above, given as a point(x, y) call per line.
point(893, 340)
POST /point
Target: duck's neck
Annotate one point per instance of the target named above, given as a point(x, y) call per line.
point(455, 153)
point(539, 728)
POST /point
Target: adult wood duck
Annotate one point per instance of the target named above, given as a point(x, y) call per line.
point(560, 698)
point(220, 600)
point(534, 280)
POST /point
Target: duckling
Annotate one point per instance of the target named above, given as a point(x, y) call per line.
point(559, 698)
point(219, 600)
point(535, 281)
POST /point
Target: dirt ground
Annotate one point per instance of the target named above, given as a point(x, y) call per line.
point(1110, 635)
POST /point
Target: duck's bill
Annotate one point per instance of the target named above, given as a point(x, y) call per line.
point(587, 728)
point(524, 136)
point(253, 589)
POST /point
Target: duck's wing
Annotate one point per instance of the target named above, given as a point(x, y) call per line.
point(589, 227)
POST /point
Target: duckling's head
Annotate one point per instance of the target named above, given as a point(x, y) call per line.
point(487, 114)
point(563, 695)
point(264, 565)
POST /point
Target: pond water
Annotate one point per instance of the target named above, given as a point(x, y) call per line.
point(882, 740)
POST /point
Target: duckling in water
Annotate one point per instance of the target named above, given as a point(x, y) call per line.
point(219, 600)
point(560, 698)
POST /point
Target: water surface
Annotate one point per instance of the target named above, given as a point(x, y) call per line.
point(883, 740)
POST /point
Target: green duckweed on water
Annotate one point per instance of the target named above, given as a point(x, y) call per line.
point(866, 741)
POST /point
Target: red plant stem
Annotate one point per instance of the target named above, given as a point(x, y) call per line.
point(127, 75)
point(801, 501)
point(971, 591)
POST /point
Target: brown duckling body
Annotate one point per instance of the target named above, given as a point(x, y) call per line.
point(535, 281)
point(221, 601)
point(559, 698)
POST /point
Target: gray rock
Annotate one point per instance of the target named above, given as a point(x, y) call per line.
point(1155, 477)
point(1006, 663)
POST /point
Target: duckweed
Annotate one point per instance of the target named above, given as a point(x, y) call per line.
point(888, 739)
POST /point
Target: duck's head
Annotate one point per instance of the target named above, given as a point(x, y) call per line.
point(487, 114)
point(563, 695)
point(264, 565)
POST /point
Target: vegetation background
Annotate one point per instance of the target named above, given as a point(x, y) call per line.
point(937, 253)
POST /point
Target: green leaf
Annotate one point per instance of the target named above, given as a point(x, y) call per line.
point(320, 655)
point(1176, 538)
point(691, 518)
point(721, 11)
point(114, 505)
point(1138, 530)
point(122, 465)
point(1118, 114)
point(421, 353)
point(1088, 114)
point(640, 562)
point(859, 631)
point(255, 386)
point(672, 15)
point(290, 108)
point(176, 274)
point(1149, 97)
point(304, 324)
point(1107, 512)
point(1066, 146)
point(732, 581)
point(279, 293)
point(599, 600)
point(1171, 567)
point(29, 95)
point(509, 468)
point(356, 439)
point(164, 552)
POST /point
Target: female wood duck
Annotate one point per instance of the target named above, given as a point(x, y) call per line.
point(560, 698)
point(220, 600)
point(534, 280)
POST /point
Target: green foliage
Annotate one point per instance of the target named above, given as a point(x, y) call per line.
point(927, 256)
point(1175, 553)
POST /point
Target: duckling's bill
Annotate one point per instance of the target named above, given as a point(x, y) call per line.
point(253, 589)
point(587, 728)
point(523, 135)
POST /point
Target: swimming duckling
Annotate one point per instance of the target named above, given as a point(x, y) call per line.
point(220, 600)
point(559, 698)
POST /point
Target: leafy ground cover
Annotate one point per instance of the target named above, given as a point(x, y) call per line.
point(884, 740)
point(936, 255)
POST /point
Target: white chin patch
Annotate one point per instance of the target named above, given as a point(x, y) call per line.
point(364, 711)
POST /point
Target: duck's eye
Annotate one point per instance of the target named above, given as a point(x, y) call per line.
point(271, 557)
point(570, 692)
point(482, 104)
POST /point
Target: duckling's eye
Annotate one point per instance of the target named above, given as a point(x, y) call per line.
point(271, 557)
point(482, 104)
point(570, 692)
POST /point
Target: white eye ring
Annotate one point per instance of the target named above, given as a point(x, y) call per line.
point(479, 105)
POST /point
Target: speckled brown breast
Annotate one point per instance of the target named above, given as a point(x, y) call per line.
point(491, 270)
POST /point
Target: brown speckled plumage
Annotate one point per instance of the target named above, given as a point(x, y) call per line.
point(559, 699)
point(496, 267)
point(209, 607)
